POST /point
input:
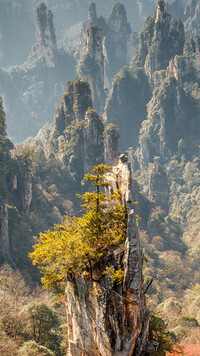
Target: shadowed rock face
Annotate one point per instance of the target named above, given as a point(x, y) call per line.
point(176, 9)
point(118, 40)
point(107, 319)
point(192, 13)
point(46, 46)
point(159, 185)
point(91, 65)
point(111, 145)
point(31, 91)
point(126, 105)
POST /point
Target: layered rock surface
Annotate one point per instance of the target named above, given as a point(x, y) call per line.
point(105, 319)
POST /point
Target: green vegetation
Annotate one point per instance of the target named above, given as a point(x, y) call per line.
point(31, 321)
point(39, 182)
point(75, 246)
point(42, 326)
point(158, 333)
point(31, 348)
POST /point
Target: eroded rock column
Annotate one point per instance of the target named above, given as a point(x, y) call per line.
point(107, 320)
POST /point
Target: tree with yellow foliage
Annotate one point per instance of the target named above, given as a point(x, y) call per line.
point(74, 247)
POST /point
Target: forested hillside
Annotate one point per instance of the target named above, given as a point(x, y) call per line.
point(114, 91)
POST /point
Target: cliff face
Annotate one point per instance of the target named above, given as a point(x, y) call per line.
point(159, 41)
point(4, 234)
point(192, 13)
point(118, 40)
point(187, 67)
point(105, 318)
point(159, 185)
point(126, 105)
point(91, 66)
point(31, 91)
point(111, 144)
point(172, 118)
point(46, 46)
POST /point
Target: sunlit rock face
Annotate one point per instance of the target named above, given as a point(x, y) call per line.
point(172, 118)
point(187, 67)
point(160, 40)
point(104, 319)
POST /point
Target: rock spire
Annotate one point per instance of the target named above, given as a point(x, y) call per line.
point(45, 46)
point(104, 320)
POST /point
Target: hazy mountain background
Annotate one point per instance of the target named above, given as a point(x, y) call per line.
point(142, 75)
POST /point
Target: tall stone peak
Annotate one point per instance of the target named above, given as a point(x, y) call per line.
point(160, 40)
point(118, 17)
point(111, 144)
point(45, 27)
point(74, 103)
point(93, 46)
point(46, 46)
point(160, 11)
point(118, 40)
point(91, 65)
point(115, 316)
point(159, 185)
point(192, 13)
point(92, 15)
